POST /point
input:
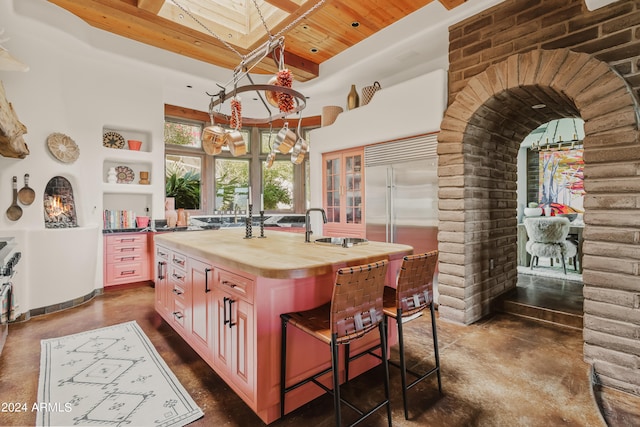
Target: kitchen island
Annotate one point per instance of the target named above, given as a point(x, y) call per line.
point(224, 295)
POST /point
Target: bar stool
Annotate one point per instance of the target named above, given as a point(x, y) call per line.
point(355, 309)
point(413, 294)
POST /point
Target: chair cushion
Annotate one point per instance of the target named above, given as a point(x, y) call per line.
point(547, 229)
point(563, 249)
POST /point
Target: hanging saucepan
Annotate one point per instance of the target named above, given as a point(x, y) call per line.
point(300, 149)
point(285, 139)
point(272, 97)
point(213, 136)
point(14, 212)
point(235, 142)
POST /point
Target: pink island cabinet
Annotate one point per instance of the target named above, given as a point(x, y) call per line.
point(239, 287)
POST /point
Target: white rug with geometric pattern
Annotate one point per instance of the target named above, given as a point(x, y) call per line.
point(111, 376)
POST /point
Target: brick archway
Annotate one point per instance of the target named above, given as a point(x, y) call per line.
point(477, 148)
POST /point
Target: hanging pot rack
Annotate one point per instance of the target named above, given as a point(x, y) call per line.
point(274, 44)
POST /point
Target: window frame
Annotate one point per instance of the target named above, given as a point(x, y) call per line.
point(254, 155)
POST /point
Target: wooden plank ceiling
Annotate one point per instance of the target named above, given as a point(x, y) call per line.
point(171, 25)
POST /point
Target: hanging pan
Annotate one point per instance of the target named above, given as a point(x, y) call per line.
point(14, 212)
point(26, 195)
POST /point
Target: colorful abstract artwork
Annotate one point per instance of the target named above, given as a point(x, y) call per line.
point(562, 180)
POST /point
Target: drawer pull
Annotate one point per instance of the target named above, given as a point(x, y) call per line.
point(127, 249)
point(177, 276)
point(178, 315)
point(127, 258)
point(127, 240)
point(127, 272)
point(229, 283)
point(162, 253)
point(178, 261)
point(177, 292)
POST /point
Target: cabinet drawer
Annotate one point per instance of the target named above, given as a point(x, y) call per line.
point(128, 238)
point(125, 257)
point(162, 254)
point(177, 276)
point(126, 272)
point(178, 261)
point(126, 248)
point(177, 292)
point(179, 313)
point(236, 284)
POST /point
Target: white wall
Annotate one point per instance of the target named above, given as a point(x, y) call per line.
point(74, 89)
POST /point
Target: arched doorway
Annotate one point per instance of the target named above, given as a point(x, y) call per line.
point(477, 149)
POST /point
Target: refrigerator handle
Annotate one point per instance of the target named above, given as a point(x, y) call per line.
point(390, 206)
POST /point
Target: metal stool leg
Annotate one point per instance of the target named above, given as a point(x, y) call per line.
point(403, 364)
point(385, 362)
point(336, 381)
point(435, 344)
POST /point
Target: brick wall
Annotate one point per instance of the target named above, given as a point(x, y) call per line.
point(579, 64)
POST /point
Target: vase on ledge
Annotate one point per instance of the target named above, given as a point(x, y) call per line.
point(353, 99)
point(170, 213)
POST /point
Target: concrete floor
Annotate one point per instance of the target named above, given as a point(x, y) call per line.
point(502, 371)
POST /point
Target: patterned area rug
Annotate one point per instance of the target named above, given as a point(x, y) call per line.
point(111, 376)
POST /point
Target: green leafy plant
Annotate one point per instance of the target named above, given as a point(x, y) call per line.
point(226, 188)
point(185, 188)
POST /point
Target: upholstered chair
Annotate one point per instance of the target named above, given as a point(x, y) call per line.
point(548, 239)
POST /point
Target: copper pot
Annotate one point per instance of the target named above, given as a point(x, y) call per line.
point(236, 143)
point(272, 97)
point(285, 139)
point(213, 137)
point(299, 151)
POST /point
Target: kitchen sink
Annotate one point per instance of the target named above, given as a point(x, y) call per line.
point(345, 242)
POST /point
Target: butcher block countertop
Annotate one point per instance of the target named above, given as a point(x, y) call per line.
point(279, 255)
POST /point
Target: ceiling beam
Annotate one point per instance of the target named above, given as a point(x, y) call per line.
point(451, 4)
point(126, 19)
point(152, 6)
point(286, 5)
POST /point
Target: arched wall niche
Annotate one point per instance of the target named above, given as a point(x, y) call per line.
point(477, 148)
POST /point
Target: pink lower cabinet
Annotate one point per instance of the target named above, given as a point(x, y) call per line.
point(200, 277)
point(126, 258)
point(234, 348)
point(229, 311)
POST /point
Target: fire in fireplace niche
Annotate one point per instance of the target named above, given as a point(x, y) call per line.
point(59, 205)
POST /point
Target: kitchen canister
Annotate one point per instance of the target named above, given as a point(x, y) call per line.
point(368, 92)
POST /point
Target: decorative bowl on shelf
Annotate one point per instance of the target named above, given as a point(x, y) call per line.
point(533, 211)
point(134, 144)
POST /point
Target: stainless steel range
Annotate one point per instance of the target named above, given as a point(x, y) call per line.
point(9, 258)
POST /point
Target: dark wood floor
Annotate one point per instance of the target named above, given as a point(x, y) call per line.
point(501, 371)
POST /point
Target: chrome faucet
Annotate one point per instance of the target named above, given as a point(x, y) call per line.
point(307, 223)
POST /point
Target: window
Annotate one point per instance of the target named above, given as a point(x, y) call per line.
point(220, 184)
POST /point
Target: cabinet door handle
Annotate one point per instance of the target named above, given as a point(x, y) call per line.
point(161, 266)
point(177, 292)
point(206, 280)
point(231, 324)
point(178, 315)
point(224, 309)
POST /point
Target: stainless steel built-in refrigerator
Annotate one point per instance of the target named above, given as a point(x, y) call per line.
point(401, 192)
